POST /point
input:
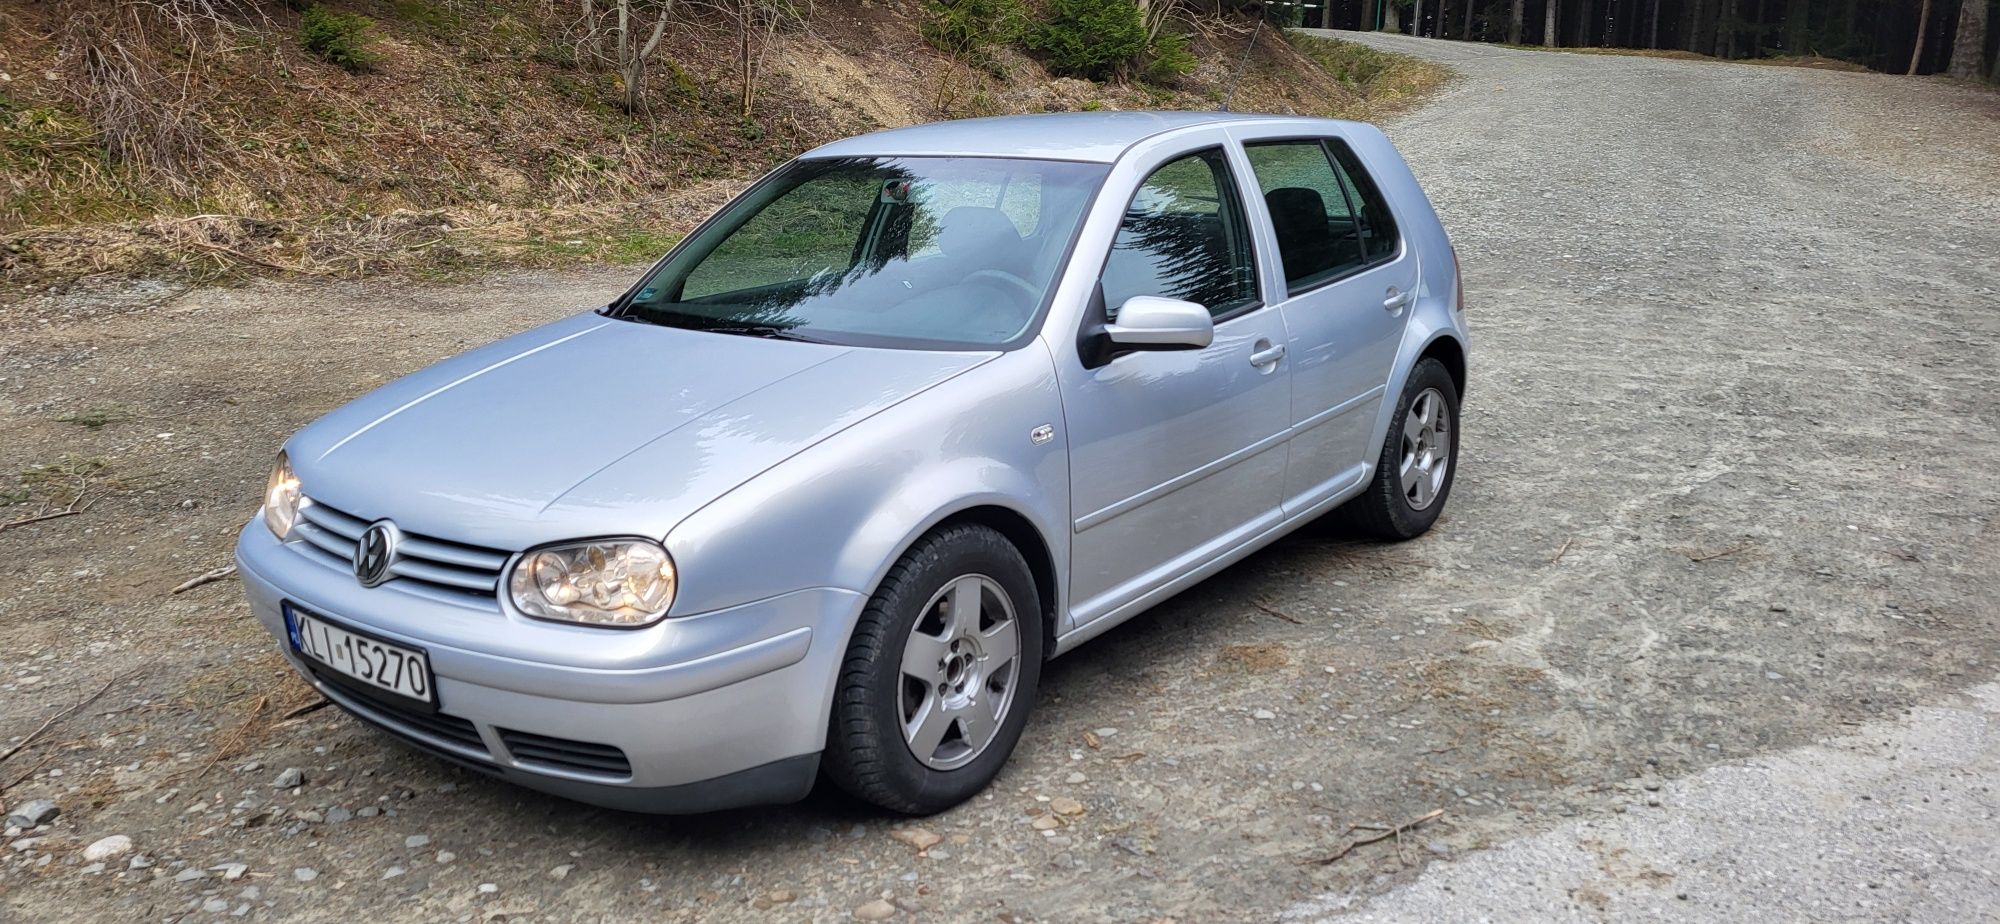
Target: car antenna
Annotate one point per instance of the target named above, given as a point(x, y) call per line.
point(1241, 63)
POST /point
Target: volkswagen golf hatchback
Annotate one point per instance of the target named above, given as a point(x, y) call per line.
point(820, 493)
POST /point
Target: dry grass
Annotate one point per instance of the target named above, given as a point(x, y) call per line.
point(1255, 658)
point(193, 140)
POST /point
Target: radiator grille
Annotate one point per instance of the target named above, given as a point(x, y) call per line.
point(562, 753)
point(453, 571)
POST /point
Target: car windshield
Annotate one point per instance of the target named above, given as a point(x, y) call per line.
point(926, 252)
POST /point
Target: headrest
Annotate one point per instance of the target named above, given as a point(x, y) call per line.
point(1295, 205)
point(977, 230)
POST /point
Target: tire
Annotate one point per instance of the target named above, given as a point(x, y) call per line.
point(1390, 508)
point(888, 677)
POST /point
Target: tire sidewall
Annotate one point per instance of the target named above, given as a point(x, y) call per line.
point(980, 552)
point(1410, 521)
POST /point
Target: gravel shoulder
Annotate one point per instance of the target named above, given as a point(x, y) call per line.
point(1730, 478)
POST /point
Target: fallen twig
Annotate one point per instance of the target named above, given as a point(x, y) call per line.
point(311, 707)
point(235, 737)
point(1558, 556)
point(1382, 834)
point(1274, 611)
point(1714, 555)
point(79, 704)
point(207, 577)
point(76, 506)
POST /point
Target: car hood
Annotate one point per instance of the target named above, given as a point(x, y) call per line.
point(592, 426)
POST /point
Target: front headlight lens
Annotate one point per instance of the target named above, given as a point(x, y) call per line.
point(614, 582)
point(281, 498)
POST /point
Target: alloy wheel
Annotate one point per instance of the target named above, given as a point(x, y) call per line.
point(959, 670)
point(1426, 448)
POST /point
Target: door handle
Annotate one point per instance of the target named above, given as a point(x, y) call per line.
point(1267, 356)
point(1397, 300)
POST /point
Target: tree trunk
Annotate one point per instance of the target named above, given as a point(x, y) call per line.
point(1550, 36)
point(1514, 22)
point(1969, 52)
point(1367, 23)
point(1725, 29)
point(1465, 34)
point(1923, 26)
point(1798, 27)
point(1691, 26)
point(1417, 20)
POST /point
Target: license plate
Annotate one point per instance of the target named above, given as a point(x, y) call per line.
point(371, 661)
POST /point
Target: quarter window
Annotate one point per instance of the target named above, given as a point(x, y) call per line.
point(1378, 224)
point(1184, 237)
point(1318, 235)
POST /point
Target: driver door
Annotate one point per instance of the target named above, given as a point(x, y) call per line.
point(1177, 457)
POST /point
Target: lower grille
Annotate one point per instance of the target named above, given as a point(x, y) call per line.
point(435, 729)
point(564, 754)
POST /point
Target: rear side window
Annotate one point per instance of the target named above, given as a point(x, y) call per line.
point(1318, 235)
point(1184, 237)
point(1378, 224)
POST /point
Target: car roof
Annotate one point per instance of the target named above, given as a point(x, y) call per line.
point(1098, 137)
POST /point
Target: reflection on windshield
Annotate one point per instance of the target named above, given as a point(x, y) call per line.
point(948, 252)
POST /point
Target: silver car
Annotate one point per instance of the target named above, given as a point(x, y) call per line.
point(821, 493)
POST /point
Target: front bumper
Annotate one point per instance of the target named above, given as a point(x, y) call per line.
point(703, 712)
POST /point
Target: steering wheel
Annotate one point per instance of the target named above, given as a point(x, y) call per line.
point(1029, 295)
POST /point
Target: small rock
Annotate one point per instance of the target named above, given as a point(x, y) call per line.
point(877, 910)
point(417, 841)
point(488, 888)
point(231, 871)
point(33, 814)
point(919, 838)
point(305, 874)
point(1075, 778)
point(1064, 805)
point(367, 811)
point(446, 856)
point(215, 905)
point(1045, 823)
point(781, 896)
point(189, 875)
point(289, 778)
point(142, 861)
point(338, 815)
point(1263, 715)
point(92, 870)
point(1438, 848)
point(561, 872)
point(117, 845)
point(393, 871)
point(1106, 732)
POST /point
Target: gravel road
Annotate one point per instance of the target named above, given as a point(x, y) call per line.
point(1730, 474)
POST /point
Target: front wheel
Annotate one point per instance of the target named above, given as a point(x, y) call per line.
point(1419, 457)
point(940, 675)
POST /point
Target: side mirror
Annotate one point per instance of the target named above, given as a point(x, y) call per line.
point(1149, 322)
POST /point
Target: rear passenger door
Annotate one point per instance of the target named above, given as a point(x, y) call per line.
point(1349, 282)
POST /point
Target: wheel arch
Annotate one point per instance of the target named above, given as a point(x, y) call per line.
point(1447, 349)
point(1026, 538)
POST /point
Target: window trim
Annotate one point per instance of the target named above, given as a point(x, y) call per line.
point(1230, 185)
point(1326, 143)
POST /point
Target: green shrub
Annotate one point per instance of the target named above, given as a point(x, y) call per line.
point(340, 38)
point(1170, 58)
point(962, 26)
point(1089, 38)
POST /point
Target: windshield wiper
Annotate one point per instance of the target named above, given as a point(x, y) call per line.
point(760, 330)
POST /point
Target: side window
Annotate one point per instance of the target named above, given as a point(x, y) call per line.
point(1318, 236)
point(1184, 237)
point(1378, 224)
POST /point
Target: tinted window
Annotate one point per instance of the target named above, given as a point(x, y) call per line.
point(1378, 224)
point(1310, 215)
point(912, 251)
point(1184, 237)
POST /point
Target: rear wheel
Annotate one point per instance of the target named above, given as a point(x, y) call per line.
point(940, 675)
point(1419, 458)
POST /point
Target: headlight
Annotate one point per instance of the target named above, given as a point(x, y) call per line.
point(281, 498)
point(613, 582)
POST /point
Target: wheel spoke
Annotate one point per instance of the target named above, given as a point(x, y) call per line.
point(980, 719)
point(998, 646)
point(1411, 473)
point(921, 657)
point(1413, 430)
point(1424, 483)
point(963, 616)
point(926, 730)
